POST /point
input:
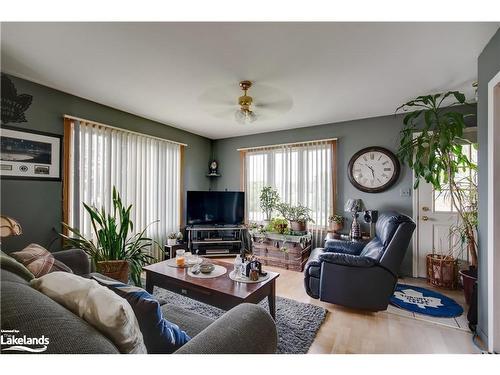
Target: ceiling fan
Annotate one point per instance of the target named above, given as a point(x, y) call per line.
point(245, 115)
point(266, 102)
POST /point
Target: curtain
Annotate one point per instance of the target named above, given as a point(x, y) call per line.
point(145, 171)
point(301, 173)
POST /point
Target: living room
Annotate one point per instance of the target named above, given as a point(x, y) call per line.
point(249, 187)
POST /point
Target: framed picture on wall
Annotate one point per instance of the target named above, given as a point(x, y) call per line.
point(30, 155)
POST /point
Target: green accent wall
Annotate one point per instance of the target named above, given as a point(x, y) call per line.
point(38, 204)
point(352, 136)
point(488, 67)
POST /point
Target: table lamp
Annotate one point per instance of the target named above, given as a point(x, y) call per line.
point(354, 206)
point(9, 227)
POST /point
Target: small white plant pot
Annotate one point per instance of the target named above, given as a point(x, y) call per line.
point(171, 241)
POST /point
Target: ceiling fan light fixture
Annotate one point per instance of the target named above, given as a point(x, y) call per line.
point(245, 116)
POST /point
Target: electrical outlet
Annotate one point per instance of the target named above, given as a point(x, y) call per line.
point(406, 192)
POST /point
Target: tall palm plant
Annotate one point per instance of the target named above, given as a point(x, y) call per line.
point(113, 238)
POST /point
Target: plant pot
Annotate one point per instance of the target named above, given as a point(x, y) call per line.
point(469, 278)
point(442, 271)
point(336, 227)
point(171, 241)
point(298, 226)
point(115, 269)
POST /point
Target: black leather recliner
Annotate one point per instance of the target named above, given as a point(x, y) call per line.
point(357, 275)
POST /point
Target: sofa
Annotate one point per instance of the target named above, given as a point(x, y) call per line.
point(357, 275)
point(246, 328)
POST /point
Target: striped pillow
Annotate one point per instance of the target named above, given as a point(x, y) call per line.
point(39, 261)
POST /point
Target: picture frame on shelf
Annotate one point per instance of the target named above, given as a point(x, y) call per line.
point(26, 154)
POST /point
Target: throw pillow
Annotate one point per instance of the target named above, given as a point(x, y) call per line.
point(160, 335)
point(97, 305)
point(10, 264)
point(39, 260)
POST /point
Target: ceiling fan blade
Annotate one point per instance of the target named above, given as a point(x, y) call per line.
point(283, 105)
point(224, 114)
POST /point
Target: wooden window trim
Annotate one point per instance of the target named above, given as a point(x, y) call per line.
point(66, 172)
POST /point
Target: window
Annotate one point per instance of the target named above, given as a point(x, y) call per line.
point(464, 178)
point(301, 173)
point(145, 170)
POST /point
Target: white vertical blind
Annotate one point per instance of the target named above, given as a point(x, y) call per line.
point(144, 170)
point(301, 173)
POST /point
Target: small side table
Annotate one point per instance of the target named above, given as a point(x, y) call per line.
point(170, 250)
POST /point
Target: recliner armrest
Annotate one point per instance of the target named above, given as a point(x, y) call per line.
point(344, 247)
point(347, 260)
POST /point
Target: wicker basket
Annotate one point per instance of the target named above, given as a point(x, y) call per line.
point(442, 271)
point(115, 269)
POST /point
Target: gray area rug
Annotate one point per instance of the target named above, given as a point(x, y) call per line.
point(297, 323)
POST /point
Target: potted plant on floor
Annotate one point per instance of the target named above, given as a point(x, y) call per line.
point(298, 216)
point(116, 252)
point(269, 198)
point(432, 146)
point(336, 223)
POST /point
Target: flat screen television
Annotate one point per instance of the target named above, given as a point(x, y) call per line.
point(215, 207)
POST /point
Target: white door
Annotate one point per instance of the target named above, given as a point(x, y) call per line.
point(435, 216)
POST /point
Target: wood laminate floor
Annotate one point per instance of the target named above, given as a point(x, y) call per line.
point(393, 331)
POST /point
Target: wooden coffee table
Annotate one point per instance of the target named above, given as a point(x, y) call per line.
point(219, 291)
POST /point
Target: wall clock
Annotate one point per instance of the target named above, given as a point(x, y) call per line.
point(373, 169)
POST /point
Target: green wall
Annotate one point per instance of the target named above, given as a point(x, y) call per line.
point(38, 204)
point(488, 67)
point(352, 136)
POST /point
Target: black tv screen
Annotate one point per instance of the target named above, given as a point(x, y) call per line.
point(215, 207)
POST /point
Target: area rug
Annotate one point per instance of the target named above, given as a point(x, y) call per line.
point(424, 301)
point(297, 323)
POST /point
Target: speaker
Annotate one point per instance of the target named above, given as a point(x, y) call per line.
point(371, 217)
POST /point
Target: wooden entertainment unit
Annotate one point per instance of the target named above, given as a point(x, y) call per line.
point(215, 240)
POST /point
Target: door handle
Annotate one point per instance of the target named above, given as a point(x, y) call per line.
point(425, 218)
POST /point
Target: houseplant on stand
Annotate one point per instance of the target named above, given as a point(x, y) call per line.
point(432, 146)
point(298, 216)
point(116, 252)
point(269, 198)
point(336, 223)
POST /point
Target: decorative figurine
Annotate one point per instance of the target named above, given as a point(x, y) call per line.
point(212, 168)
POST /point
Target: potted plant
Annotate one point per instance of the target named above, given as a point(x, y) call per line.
point(269, 198)
point(278, 225)
point(298, 216)
point(431, 145)
point(172, 239)
point(336, 223)
point(116, 252)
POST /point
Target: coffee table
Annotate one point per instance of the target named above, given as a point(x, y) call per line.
point(221, 292)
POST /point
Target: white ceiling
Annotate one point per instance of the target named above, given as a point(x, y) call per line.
point(328, 72)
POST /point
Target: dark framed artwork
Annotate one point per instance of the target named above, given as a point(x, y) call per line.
point(30, 155)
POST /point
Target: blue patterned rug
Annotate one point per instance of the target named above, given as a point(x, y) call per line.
point(425, 301)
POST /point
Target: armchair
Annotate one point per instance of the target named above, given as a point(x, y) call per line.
point(358, 276)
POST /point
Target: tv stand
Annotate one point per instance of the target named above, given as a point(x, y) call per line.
point(215, 240)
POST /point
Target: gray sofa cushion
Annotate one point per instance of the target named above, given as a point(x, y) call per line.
point(34, 314)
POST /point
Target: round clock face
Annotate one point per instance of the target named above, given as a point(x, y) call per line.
point(373, 169)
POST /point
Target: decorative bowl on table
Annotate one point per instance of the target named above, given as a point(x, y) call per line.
point(206, 267)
